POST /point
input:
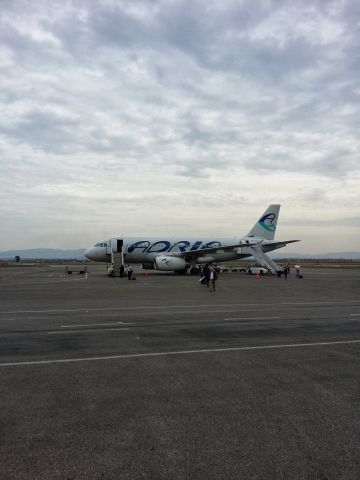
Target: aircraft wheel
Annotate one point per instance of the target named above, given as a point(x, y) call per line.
point(181, 272)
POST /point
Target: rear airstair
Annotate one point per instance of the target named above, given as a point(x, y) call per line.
point(264, 260)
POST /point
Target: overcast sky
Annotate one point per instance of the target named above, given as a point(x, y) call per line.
point(179, 117)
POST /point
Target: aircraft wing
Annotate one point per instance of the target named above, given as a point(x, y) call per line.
point(200, 252)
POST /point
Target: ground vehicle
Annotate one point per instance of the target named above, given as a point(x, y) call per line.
point(257, 269)
point(233, 269)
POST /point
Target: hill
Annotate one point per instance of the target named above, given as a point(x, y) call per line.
point(322, 256)
point(78, 254)
point(44, 254)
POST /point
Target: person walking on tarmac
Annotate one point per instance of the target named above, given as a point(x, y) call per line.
point(212, 279)
point(285, 272)
point(129, 271)
point(206, 274)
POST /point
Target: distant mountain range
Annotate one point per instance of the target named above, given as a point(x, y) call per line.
point(78, 254)
point(319, 256)
point(44, 254)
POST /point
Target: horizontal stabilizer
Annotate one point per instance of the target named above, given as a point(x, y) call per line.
point(275, 245)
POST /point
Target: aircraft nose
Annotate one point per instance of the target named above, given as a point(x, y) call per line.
point(89, 253)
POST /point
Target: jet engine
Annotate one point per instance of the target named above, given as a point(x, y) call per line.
point(168, 263)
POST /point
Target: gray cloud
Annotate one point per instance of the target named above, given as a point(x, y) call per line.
point(190, 99)
point(350, 222)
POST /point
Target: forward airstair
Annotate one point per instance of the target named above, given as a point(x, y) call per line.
point(117, 258)
point(264, 260)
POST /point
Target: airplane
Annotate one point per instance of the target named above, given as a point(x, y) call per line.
point(181, 254)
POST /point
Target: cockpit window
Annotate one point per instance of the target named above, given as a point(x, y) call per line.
point(101, 244)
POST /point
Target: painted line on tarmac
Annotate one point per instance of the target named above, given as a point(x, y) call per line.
point(354, 314)
point(42, 283)
point(250, 318)
point(164, 307)
point(98, 324)
point(312, 303)
point(81, 330)
point(179, 352)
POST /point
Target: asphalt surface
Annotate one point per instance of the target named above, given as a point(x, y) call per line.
point(159, 379)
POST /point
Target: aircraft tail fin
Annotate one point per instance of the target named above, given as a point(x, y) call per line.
point(266, 225)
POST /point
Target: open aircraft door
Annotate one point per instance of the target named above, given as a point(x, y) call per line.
point(116, 245)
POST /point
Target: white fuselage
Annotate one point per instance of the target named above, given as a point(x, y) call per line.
point(178, 254)
point(145, 249)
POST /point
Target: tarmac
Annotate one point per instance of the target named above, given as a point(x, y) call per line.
point(158, 378)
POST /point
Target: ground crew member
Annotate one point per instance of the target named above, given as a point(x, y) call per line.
point(110, 270)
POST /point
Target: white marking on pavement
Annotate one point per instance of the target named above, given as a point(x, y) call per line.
point(250, 318)
point(179, 352)
point(355, 314)
point(67, 332)
point(97, 324)
point(313, 303)
point(42, 283)
point(164, 307)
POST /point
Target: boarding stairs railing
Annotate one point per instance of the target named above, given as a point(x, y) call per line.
point(264, 260)
point(117, 258)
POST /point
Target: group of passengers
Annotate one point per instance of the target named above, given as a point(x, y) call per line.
point(285, 270)
point(208, 277)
